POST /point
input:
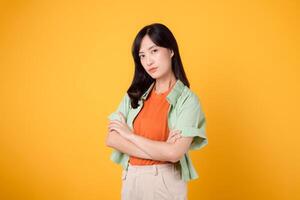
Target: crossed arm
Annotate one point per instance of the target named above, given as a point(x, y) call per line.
point(116, 141)
point(138, 146)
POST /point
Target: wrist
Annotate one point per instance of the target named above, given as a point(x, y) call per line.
point(131, 137)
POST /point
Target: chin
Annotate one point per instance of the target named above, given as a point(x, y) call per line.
point(155, 77)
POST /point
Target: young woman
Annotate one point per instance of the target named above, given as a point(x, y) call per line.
point(157, 122)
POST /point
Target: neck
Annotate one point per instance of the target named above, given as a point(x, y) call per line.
point(163, 84)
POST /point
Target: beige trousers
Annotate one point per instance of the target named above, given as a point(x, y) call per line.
point(153, 182)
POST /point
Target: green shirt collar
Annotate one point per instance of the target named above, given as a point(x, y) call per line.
point(172, 96)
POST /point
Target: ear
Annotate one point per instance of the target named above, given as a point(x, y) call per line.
point(172, 53)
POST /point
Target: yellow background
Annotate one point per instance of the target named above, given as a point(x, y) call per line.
point(64, 66)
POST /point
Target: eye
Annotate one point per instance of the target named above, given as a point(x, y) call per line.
point(141, 56)
point(154, 50)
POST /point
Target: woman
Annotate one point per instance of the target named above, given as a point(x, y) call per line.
point(158, 120)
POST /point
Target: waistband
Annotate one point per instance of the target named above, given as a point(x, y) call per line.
point(152, 169)
point(144, 168)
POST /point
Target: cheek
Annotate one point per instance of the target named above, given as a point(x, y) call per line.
point(163, 60)
point(143, 63)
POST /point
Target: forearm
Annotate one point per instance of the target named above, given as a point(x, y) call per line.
point(119, 143)
point(158, 150)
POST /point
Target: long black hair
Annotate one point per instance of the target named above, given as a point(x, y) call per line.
point(161, 36)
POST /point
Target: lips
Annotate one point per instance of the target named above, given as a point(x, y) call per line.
point(153, 69)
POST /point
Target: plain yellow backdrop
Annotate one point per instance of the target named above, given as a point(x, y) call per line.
point(64, 66)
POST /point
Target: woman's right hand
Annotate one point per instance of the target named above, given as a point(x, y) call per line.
point(173, 136)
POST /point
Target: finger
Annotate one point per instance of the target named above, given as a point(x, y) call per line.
point(175, 138)
point(121, 123)
point(114, 127)
point(122, 117)
point(179, 136)
point(174, 135)
point(110, 128)
point(116, 122)
point(170, 142)
point(175, 131)
point(171, 134)
point(172, 138)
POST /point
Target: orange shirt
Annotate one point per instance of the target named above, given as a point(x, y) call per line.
point(152, 123)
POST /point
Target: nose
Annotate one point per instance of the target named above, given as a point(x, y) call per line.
point(149, 60)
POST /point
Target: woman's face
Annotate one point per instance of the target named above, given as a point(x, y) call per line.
point(156, 60)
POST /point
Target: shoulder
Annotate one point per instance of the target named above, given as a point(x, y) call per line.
point(188, 98)
point(126, 97)
point(126, 100)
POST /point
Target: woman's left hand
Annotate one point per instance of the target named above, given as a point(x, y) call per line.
point(121, 127)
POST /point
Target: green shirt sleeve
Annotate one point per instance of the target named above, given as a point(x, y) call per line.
point(191, 122)
point(123, 107)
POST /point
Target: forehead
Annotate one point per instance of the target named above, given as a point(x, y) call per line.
point(146, 43)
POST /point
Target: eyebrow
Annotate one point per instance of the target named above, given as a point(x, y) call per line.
point(148, 48)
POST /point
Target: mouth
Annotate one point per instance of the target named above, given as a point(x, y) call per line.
point(152, 70)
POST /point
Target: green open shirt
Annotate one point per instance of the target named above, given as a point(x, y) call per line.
point(184, 114)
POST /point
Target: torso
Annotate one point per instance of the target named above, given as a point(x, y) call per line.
point(152, 123)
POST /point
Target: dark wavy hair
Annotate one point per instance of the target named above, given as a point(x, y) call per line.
point(163, 37)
